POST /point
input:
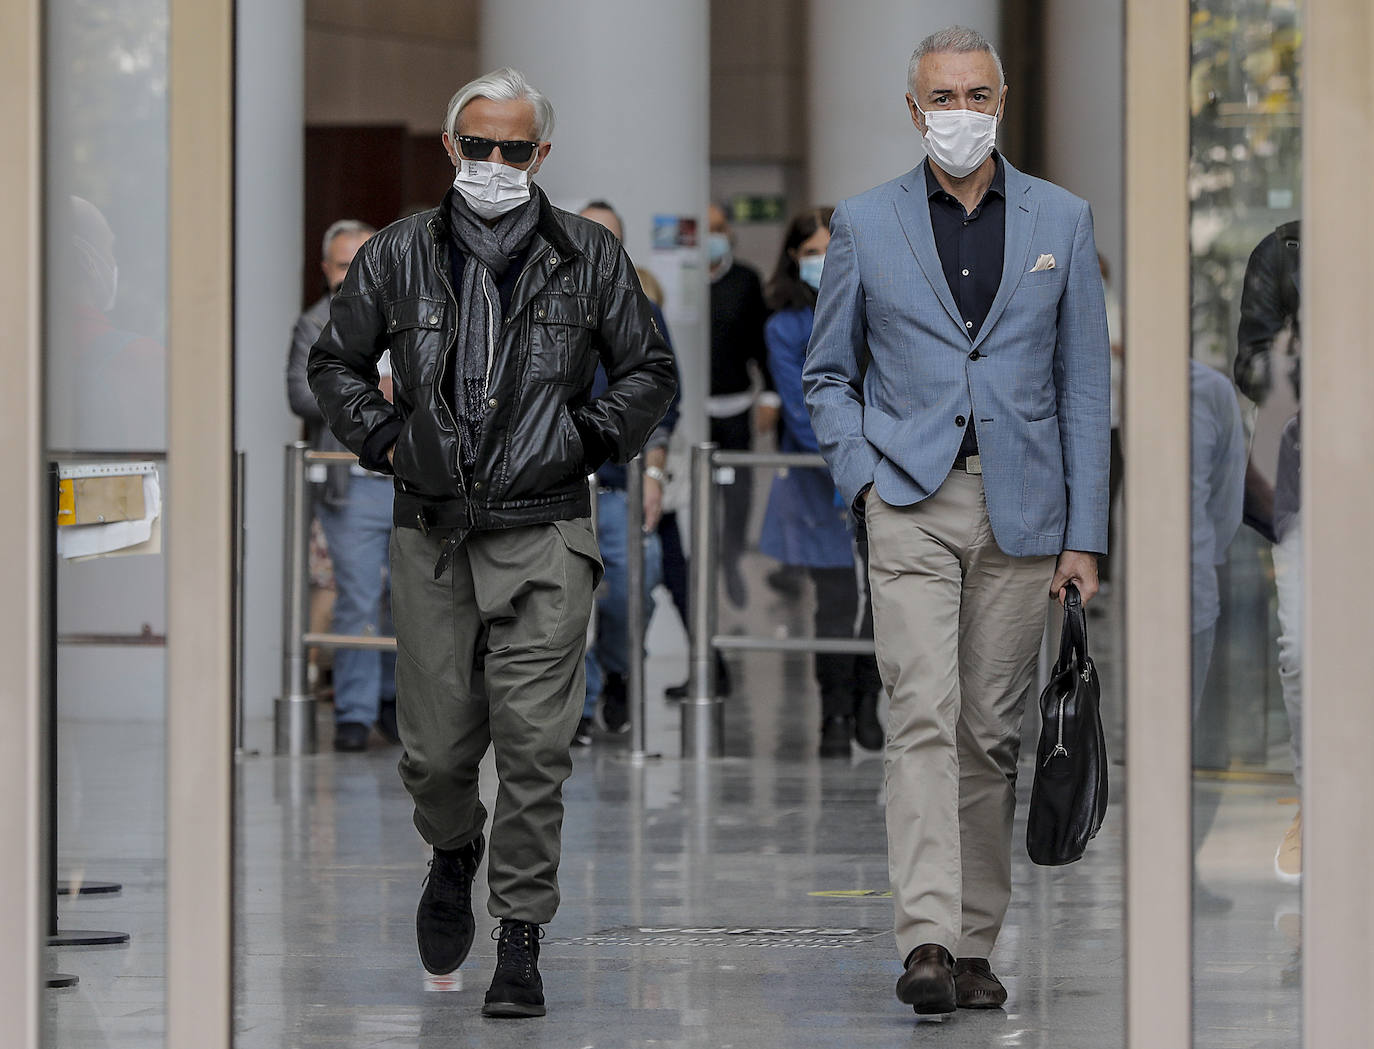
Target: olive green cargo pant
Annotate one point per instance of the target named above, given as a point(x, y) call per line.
point(491, 654)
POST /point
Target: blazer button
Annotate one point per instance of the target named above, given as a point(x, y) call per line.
point(974, 355)
point(959, 420)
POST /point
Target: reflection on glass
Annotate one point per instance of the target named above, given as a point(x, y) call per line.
point(1244, 185)
point(105, 332)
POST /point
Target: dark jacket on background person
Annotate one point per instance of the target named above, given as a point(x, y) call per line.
point(737, 317)
point(1269, 301)
point(576, 301)
point(1270, 304)
point(317, 434)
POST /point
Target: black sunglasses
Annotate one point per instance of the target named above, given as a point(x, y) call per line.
point(514, 150)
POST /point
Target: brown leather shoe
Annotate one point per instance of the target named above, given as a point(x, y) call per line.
point(976, 986)
point(928, 983)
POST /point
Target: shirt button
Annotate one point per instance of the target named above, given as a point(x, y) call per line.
point(959, 420)
point(974, 355)
point(968, 324)
point(965, 273)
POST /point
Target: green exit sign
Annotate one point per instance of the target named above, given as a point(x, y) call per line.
point(768, 207)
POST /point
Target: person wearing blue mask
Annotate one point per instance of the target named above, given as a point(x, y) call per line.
point(807, 525)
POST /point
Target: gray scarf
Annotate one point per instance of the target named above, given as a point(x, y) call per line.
point(490, 251)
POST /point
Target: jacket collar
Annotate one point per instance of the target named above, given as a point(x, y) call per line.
point(549, 228)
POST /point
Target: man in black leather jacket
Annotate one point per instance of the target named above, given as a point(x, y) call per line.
point(496, 308)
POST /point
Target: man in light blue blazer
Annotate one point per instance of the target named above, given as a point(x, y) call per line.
point(958, 383)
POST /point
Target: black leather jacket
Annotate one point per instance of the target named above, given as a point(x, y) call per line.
point(577, 300)
point(1269, 305)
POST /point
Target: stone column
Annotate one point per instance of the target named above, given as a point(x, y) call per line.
point(269, 168)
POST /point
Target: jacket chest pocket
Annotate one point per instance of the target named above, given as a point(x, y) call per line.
point(561, 329)
point(414, 330)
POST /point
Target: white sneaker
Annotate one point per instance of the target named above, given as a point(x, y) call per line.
point(1288, 858)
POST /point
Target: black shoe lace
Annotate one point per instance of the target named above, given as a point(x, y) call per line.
point(515, 947)
point(452, 883)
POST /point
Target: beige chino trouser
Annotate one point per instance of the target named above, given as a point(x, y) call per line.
point(957, 626)
point(516, 601)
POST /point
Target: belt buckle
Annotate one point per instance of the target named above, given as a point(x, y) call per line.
point(973, 464)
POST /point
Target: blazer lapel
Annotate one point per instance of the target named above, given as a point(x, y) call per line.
point(1021, 209)
point(913, 212)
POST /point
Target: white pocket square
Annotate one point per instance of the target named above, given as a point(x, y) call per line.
point(1044, 262)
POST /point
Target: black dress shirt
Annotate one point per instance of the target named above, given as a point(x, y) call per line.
point(972, 245)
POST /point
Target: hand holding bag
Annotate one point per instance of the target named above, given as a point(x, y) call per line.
point(1069, 794)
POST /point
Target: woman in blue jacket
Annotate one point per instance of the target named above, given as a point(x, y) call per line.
point(807, 525)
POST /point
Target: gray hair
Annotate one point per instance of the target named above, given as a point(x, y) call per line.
point(956, 39)
point(338, 229)
point(503, 85)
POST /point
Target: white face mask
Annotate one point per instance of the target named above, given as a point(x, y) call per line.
point(959, 140)
point(810, 267)
point(491, 189)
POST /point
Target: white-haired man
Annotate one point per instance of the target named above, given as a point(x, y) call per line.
point(496, 308)
point(958, 379)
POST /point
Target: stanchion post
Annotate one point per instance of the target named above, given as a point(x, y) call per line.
point(295, 707)
point(634, 613)
point(703, 722)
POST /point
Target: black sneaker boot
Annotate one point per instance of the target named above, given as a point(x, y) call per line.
point(835, 733)
point(516, 989)
point(868, 730)
point(443, 921)
point(615, 704)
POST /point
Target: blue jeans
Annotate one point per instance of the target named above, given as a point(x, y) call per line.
point(359, 533)
point(611, 653)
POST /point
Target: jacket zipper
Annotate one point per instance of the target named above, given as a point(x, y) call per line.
point(442, 371)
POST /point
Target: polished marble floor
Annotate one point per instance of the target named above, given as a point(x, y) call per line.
point(736, 904)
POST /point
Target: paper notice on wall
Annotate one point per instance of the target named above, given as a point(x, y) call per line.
point(140, 535)
point(676, 261)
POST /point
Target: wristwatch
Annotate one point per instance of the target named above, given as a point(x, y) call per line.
point(658, 474)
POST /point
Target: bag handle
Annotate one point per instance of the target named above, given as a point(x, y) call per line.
point(1074, 638)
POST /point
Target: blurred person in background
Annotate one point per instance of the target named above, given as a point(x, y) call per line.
point(807, 524)
point(353, 507)
point(608, 657)
point(1268, 371)
point(737, 317)
point(1117, 466)
point(114, 379)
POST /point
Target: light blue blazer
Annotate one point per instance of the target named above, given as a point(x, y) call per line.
point(890, 369)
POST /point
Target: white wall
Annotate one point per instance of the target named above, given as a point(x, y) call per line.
point(269, 174)
point(1084, 126)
